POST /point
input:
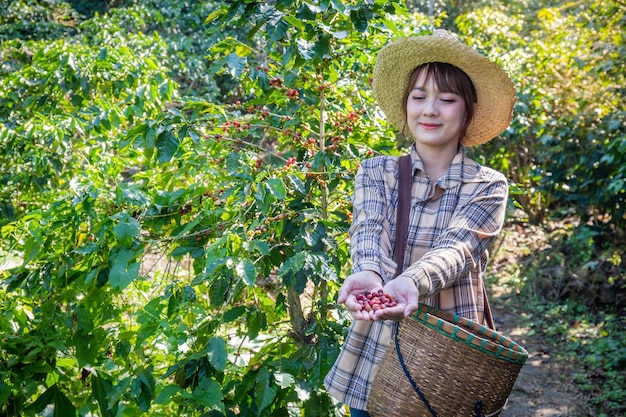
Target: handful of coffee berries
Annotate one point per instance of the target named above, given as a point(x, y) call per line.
point(372, 301)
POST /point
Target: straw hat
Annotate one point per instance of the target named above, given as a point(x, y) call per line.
point(494, 89)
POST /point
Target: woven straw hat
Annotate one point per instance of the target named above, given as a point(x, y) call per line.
point(494, 89)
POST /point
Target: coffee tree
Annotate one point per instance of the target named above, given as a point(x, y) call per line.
point(242, 202)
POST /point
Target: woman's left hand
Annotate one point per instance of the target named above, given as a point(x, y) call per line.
point(406, 294)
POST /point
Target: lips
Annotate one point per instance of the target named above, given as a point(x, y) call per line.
point(429, 126)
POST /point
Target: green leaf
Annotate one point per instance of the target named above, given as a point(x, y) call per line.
point(118, 391)
point(63, 407)
point(264, 392)
point(5, 392)
point(276, 188)
point(322, 47)
point(306, 49)
point(245, 270)
point(100, 388)
point(142, 389)
point(167, 144)
point(218, 292)
point(269, 192)
point(209, 393)
point(302, 277)
point(258, 245)
point(234, 313)
point(294, 22)
point(256, 321)
point(216, 352)
point(236, 64)
point(297, 183)
point(217, 15)
point(292, 265)
point(284, 380)
point(126, 229)
point(149, 138)
point(167, 393)
point(280, 28)
point(123, 271)
point(359, 20)
point(43, 400)
point(32, 247)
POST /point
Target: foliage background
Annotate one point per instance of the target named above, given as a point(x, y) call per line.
point(176, 179)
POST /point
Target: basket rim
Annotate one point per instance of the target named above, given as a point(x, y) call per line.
point(488, 341)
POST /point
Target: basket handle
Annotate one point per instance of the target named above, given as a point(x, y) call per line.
point(396, 330)
point(478, 405)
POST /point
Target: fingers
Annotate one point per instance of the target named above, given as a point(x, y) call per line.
point(410, 309)
point(356, 284)
point(346, 290)
point(397, 313)
point(343, 295)
point(390, 313)
point(352, 304)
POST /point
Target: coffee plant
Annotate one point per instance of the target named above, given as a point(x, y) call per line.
point(240, 201)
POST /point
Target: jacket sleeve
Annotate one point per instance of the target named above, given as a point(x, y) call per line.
point(370, 237)
point(463, 243)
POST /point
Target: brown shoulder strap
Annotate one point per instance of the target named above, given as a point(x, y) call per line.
point(405, 180)
point(489, 322)
point(405, 183)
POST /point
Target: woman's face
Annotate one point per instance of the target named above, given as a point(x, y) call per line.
point(435, 118)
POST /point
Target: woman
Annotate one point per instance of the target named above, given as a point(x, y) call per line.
point(447, 96)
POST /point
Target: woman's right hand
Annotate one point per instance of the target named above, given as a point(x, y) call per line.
point(356, 284)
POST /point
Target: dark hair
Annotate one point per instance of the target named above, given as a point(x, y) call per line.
point(448, 78)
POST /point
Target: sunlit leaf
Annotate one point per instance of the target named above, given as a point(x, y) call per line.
point(124, 269)
point(245, 270)
point(127, 227)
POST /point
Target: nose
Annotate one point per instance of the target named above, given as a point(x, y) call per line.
point(430, 107)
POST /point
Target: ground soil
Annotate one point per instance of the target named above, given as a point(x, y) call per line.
point(544, 387)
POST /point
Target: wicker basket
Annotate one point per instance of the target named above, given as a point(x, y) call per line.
point(459, 368)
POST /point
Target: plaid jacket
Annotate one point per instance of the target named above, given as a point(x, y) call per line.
point(451, 226)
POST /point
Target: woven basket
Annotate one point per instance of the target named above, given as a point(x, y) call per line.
point(460, 368)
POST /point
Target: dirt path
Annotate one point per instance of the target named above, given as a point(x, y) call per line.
point(544, 387)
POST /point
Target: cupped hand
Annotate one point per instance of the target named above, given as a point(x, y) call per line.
point(356, 284)
point(405, 292)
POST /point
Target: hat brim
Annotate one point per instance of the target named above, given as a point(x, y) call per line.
point(494, 89)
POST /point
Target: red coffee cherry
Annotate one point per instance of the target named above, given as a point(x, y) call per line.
point(376, 301)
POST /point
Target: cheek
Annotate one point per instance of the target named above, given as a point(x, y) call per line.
point(412, 107)
point(459, 114)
